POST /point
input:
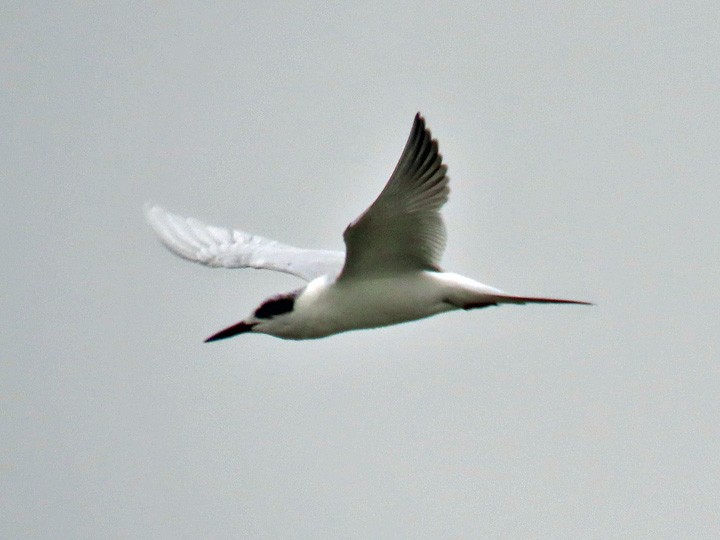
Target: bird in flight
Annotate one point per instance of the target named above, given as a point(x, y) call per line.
point(389, 273)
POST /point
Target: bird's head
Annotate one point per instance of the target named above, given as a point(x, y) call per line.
point(271, 312)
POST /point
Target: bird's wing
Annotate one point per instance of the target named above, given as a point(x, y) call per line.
point(226, 248)
point(402, 230)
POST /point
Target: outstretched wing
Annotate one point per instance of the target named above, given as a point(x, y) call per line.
point(226, 248)
point(402, 230)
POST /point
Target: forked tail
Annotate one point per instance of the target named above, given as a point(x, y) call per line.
point(497, 299)
point(511, 299)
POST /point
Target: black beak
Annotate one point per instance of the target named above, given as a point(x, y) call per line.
point(230, 331)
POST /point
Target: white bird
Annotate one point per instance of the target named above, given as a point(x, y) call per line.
point(389, 273)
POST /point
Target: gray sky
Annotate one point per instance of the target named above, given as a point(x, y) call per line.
point(583, 146)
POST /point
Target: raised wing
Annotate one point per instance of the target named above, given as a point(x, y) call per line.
point(226, 248)
point(402, 230)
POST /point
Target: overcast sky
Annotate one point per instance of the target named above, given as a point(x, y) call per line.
point(583, 144)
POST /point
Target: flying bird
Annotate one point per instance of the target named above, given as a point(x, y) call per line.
point(389, 273)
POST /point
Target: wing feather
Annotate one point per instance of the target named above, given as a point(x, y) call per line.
point(403, 230)
point(217, 247)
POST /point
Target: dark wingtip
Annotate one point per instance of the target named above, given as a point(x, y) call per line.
point(230, 331)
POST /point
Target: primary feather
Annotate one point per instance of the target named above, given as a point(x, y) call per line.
point(403, 229)
point(218, 247)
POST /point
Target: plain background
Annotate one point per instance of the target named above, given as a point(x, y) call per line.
point(583, 146)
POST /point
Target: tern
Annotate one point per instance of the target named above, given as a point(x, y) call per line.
point(388, 274)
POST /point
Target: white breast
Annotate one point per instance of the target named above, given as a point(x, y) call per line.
point(327, 307)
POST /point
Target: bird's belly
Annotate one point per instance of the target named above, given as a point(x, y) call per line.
point(373, 303)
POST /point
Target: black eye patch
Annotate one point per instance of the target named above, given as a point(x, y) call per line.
point(275, 306)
